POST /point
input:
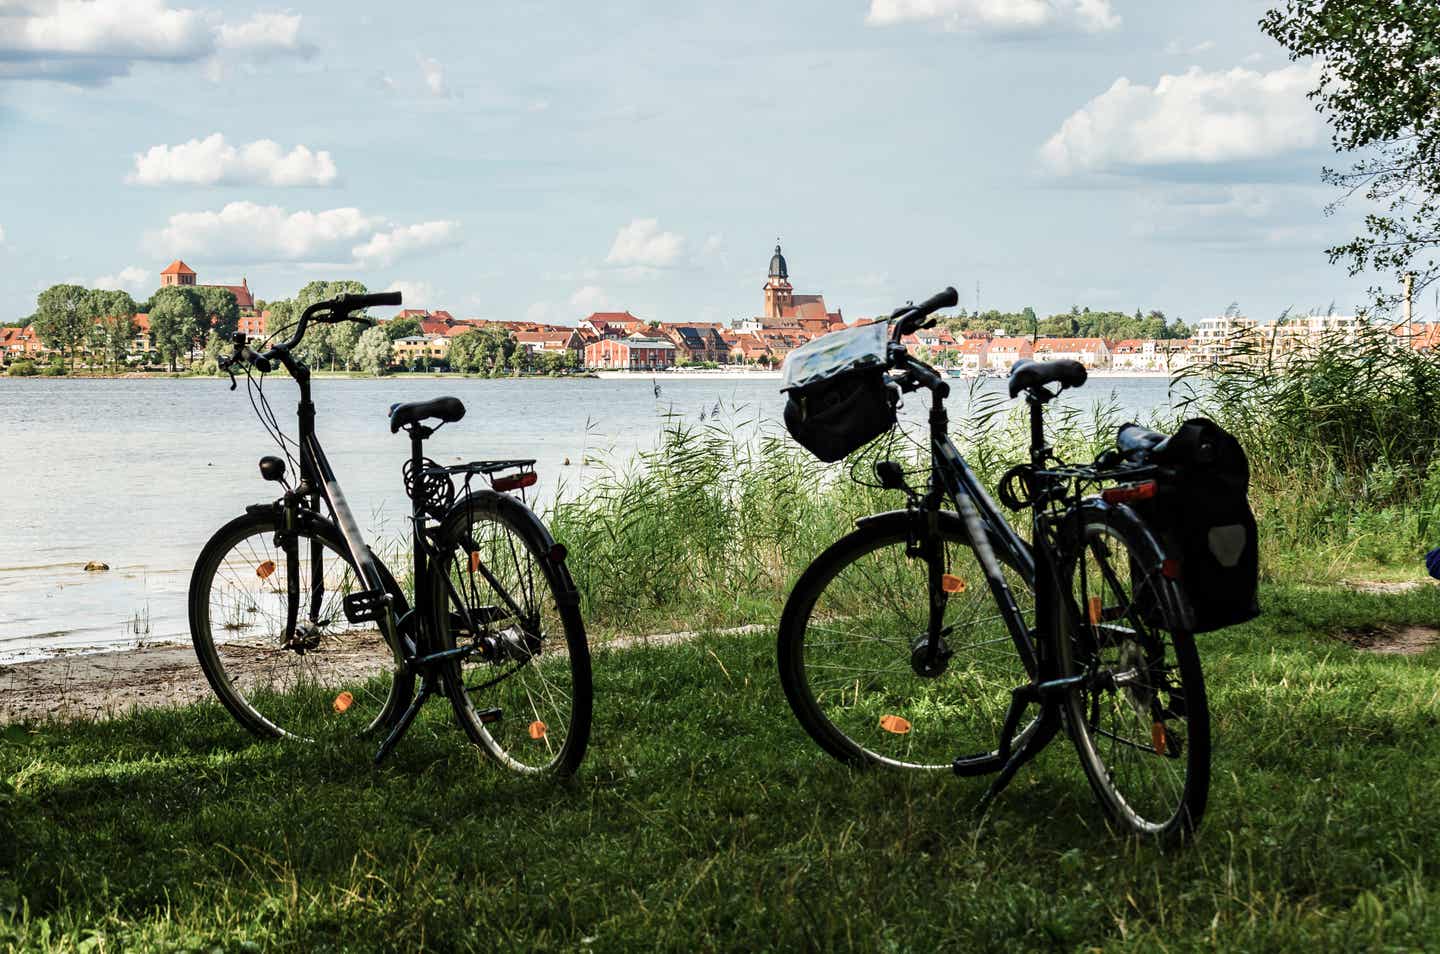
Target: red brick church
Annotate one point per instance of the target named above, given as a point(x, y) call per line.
point(787, 311)
point(178, 273)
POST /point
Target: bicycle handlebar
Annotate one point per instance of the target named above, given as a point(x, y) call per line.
point(910, 317)
point(329, 312)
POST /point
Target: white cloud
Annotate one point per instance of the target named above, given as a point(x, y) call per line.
point(1091, 16)
point(434, 75)
point(1176, 48)
point(590, 297)
point(414, 294)
point(2, 235)
point(213, 161)
point(89, 42)
point(132, 279)
point(1196, 117)
point(264, 33)
point(382, 248)
point(247, 232)
point(642, 243)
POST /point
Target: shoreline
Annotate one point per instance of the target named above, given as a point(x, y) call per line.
point(671, 374)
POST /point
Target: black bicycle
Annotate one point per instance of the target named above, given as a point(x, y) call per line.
point(938, 630)
point(302, 629)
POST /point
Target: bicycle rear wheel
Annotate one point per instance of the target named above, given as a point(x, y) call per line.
point(1141, 723)
point(501, 587)
point(324, 673)
point(846, 645)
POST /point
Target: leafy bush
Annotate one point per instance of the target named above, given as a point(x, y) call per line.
point(22, 369)
point(55, 369)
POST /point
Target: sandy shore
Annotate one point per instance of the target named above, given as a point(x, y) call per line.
point(93, 685)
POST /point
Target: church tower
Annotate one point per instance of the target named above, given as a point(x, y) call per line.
point(779, 295)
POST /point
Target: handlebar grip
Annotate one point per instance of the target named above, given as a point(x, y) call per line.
point(261, 363)
point(948, 298)
point(372, 298)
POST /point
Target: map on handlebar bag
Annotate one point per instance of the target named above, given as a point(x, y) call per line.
point(835, 354)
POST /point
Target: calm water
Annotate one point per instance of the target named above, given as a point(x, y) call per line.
point(139, 473)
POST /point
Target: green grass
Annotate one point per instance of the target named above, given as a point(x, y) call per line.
point(704, 819)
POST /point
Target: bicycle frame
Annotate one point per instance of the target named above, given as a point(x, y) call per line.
point(318, 482)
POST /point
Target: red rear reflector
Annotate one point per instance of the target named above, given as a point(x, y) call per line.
point(1170, 569)
point(515, 481)
point(558, 553)
point(1128, 492)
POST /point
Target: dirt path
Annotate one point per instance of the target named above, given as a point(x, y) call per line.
point(95, 685)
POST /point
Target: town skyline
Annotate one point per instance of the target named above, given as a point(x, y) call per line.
point(1176, 167)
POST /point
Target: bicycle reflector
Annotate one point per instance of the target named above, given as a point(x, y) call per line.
point(265, 569)
point(1126, 493)
point(343, 701)
point(515, 481)
point(952, 584)
point(537, 730)
point(895, 724)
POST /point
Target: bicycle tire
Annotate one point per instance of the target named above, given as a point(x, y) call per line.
point(342, 674)
point(501, 579)
point(1156, 721)
point(939, 718)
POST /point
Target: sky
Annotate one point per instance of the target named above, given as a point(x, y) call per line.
point(544, 160)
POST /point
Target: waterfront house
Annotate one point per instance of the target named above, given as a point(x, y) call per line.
point(1091, 352)
point(1003, 352)
point(1222, 339)
point(973, 354)
point(635, 353)
point(696, 342)
point(613, 324)
point(549, 342)
point(410, 349)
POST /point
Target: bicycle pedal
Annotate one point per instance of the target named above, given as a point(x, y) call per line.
point(366, 606)
point(490, 716)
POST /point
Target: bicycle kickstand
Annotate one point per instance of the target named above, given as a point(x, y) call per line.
point(1038, 738)
point(402, 725)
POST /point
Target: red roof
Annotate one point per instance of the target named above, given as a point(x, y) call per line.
point(178, 267)
point(243, 298)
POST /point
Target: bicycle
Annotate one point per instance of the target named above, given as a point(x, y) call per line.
point(936, 629)
point(301, 628)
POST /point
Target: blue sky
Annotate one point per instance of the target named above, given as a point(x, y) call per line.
point(543, 160)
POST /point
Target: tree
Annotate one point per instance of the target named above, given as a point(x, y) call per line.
point(175, 316)
point(63, 317)
point(1379, 70)
point(402, 328)
point(373, 351)
point(219, 309)
point(114, 330)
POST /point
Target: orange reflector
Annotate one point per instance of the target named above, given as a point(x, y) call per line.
point(265, 569)
point(474, 560)
point(514, 481)
point(343, 702)
point(1125, 493)
point(895, 724)
point(537, 730)
point(1096, 613)
point(1170, 569)
point(1157, 737)
point(952, 584)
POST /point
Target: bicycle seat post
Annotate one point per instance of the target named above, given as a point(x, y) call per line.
point(1039, 450)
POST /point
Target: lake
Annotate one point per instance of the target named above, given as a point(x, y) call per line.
point(137, 473)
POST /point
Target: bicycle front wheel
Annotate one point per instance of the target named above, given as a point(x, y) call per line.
point(848, 650)
point(523, 693)
point(1141, 722)
point(283, 664)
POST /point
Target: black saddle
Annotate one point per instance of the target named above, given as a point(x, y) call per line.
point(447, 409)
point(1025, 375)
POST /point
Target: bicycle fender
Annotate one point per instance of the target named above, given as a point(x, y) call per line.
point(1176, 608)
point(495, 502)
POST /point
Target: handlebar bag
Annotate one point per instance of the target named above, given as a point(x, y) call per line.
point(1201, 516)
point(837, 396)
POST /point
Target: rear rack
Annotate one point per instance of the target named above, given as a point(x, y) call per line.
point(503, 475)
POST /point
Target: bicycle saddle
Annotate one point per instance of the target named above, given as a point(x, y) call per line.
point(447, 409)
point(1025, 375)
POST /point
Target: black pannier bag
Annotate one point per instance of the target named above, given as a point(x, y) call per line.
point(1201, 515)
point(837, 397)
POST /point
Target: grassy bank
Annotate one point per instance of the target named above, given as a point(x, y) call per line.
point(704, 819)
